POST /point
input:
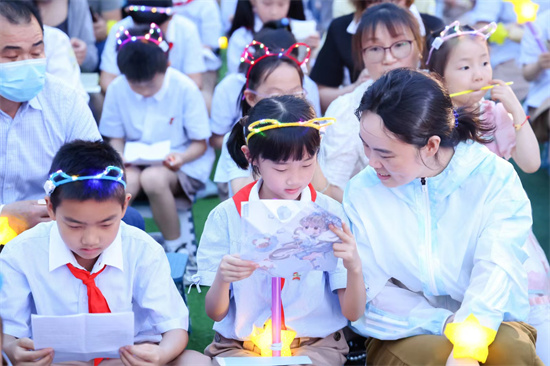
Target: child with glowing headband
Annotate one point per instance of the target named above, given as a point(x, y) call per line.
point(461, 56)
point(284, 154)
point(152, 102)
point(88, 250)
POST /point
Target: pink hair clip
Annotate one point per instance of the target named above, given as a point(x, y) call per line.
point(484, 32)
point(154, 35)
point(257, 51)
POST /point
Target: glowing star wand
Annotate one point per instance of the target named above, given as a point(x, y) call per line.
point(6, 232)
point(470, 339)
point(526, 12)
point(471, 91)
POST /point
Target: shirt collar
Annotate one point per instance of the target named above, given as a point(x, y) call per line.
point(258, 24)
point(158, 96)
point(255, 192)
point(352, 27)
point(60, 254)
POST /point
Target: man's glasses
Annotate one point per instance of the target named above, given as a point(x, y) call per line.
point(399, 50)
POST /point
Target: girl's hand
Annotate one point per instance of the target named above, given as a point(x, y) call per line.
point(451, 361)
point(141, 354)
point(313, 40)
point(363, 76)
point(347, 248)
point(232, 268)
point(544, 61)
point(24, 354)
point(506, 96)
point(173, 161)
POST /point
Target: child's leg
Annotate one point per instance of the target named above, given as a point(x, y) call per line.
point(209, 80)
point(224, 347)
point(190, 357)
point(331, 350)
point(513, 345)
point(160, 184)
point(133, 185)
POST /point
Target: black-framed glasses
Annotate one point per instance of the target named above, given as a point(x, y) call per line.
point(399, 50)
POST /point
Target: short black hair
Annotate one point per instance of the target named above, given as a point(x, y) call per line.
point(20, 12)
point(147, 17)
point(140, 60)
point(87, 158)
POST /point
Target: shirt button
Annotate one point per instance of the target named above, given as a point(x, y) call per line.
point(217, 338)
point(337, 336)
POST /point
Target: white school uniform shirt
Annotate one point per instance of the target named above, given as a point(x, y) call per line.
point(450, 246)
point(306, 301)
point(540, 87)
point(136, 278)
point(176, 112)
point(226, 103)
point(342, 154)
point(61, 60)
point(185, 55)
point(238, 41)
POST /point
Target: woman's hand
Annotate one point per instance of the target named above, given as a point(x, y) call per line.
point(347, 248)
point(232, 268)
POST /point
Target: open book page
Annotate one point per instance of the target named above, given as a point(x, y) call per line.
point(138, 153)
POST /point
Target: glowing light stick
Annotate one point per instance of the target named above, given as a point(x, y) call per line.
point(6, 232)
point(276, 316)
point(470, 338)
point(471, 91)
point(526, 12)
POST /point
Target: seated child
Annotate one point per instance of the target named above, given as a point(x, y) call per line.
point(47, 266)
point(317, 303)
point(150, 103)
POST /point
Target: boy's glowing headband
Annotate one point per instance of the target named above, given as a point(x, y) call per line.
point(154, 35)
point(257, 51)
point(58, 178)
point(270, 124)
point(484, 32)
point(150, 9)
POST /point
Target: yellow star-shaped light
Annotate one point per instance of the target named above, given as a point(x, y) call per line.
point(262, 338)
point(500, 34)
point(6, 232)
point(470, 338)
point(525, 10)
point(222, 42)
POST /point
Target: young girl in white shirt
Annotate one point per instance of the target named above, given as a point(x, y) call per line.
point(285, 157)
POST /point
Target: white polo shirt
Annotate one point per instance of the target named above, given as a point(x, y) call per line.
point(311, 304)
point(176, 112)
point(185, 55)
point(136, 278)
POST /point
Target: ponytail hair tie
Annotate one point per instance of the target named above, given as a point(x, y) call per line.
point(455, 112)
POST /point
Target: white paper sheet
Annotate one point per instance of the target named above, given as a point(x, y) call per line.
point(303, 28)
point(83, 337)
point(139, 153)
point(260, 361)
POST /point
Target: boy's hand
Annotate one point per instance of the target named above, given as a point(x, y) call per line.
point(23, 353)
point(141, 354)
point(232, 268)
point(347, 248)
point(506, 96)
point(173, 161)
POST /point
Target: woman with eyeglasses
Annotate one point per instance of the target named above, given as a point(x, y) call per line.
point(272, 65)
point(388, 37)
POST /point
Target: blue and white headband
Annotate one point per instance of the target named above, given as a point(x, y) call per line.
point(58, 178)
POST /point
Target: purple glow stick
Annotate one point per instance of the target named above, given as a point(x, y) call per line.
point(534, 33)
point(276, 316)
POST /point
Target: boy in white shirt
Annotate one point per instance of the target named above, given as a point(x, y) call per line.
point(87, 250)
point(151, 103)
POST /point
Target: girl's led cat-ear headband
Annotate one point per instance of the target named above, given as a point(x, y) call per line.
point(112, 173)
point(269, 124)
point(484, 32)
point(154, 34)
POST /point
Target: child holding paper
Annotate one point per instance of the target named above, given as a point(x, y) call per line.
point(87, 250)
point(316, 304)
point(151, 102)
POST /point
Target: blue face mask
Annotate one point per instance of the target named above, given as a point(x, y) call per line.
point(20, 81)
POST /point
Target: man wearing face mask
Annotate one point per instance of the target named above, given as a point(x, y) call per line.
point(38, 114)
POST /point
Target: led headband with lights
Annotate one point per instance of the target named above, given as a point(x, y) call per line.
point(59, 178)
point(154, 35)
point(150, 9)
point(484, 32)
point(270, 124)
point(257, 51)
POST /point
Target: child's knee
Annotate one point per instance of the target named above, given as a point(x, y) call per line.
point(154, 181)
